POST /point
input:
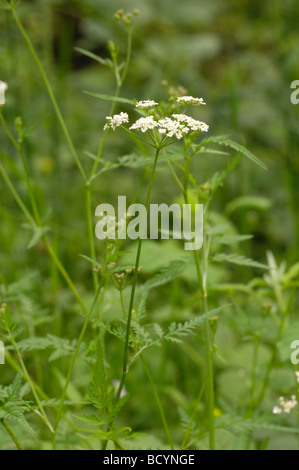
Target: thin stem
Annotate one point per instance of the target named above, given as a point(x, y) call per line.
point(188, 431)
point(9, 134)
point(11, 434)
point(52, 253)
point(175, 176)
point(209, 346)
point(91, 233)
point(122, 303)
point(16, 196)
point(31, 383)
point(103, 140)
point(128, 58)
point(119, 82)
point(137, 261)
point(64, 274)
point(29, 186)
point(51, 94)
point(157, 398)
point(74, 358)
point(280, 331)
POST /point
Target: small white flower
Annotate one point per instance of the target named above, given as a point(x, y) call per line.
point(3, 88)
point(297, 376)
point(116, 121)
point(190, 100)
point(287, 406)
point(144, 124)
point(180, 125)
point(172, 127)
point(277, 410)
point(146, 104)
point(192, 123)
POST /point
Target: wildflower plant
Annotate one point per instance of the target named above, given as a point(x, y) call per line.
point(167, 134)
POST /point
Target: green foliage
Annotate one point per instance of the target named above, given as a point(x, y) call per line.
point(202, 346)
point(12, 406)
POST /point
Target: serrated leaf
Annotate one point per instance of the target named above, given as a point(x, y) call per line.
point(231, 239)
point(178, 330)
point(238, 259)
point(110, 98)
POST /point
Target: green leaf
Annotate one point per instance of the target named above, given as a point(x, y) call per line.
point(238, 259)
point(223, 140)
point(231, 239)
point(91, 55)
point(38, 233)
point(176, 331)
point(12, 406)
point(248, 202)
point(244, 151)
point(239, 424)
point(110, 98)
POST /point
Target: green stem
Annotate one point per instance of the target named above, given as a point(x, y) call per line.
point(128, 58)
point(209, 345)
point(45, 240)
point(16, 196)
point(31, 383)
point(103, 140)
point(157, 398)
point(74, 358)
point(137, 261)
point(51, 94)
point(9, 134)
point(91, 233)
point(188, 431)
point(11, 434)
point(29, 186)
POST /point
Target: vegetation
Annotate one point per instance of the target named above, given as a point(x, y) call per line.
point(121, 344)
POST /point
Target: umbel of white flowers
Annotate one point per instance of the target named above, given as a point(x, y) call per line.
point(286, 406)
point(3, 88)
point(178, 125)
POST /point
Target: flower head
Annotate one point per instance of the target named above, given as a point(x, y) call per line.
point(190, 100)
point(172, 127)
point(286, 405)
point(193, 124)
point(116, 121)
point(146, 104)
point(144, 124)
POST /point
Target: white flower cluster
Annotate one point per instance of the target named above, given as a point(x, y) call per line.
point(286, 406)
point(190, 100)
point(146, 104)
point(116, 121)
point(179, 126)
point(193, 124)
point(172, 127)
point(144, 124)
